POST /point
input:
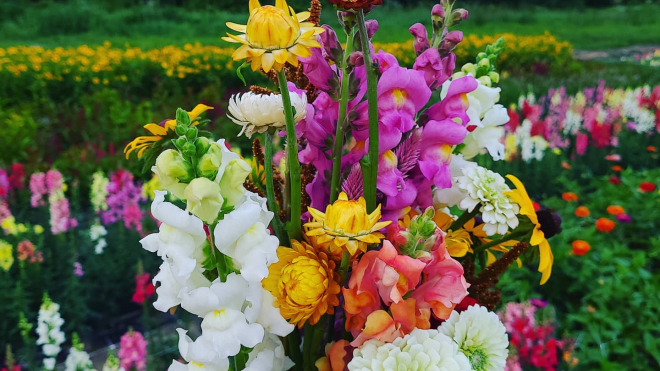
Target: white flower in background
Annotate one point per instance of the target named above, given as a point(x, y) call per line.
point(453, 196)
point(243, 236)
point(78, 360)
point(112, 363)
point(488, 134)
point(420, 350)
point(225, 327)
point(259, 112)
point(486, 188)
point(268, 356)
point(572, 122)
point(531, 147)
point(480, 335)
point(49, 325)
point(198, 358)
point(97, 233)
point(643, 119)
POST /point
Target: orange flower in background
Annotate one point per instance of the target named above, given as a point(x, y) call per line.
point(581, 247)
point(582, 212)
point(605, 225)
point(335, 354)
point(646, 187)
point(617, 168)
point(615, 210)
point(569, 196)
point(566, 165)
point(651, 149)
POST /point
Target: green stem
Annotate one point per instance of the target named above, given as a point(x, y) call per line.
point(307, 346)
point(293, 345)
point(341, 120)
point(370, 168)
point(270, 188)
point(292, 158)
point(343, 267)
point(317, 340)
point(511, 236)
point(464, 218)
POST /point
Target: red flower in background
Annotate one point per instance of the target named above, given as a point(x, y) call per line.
point(646, 187)
point(17, 176)
point(143, 288)
point(615, 180)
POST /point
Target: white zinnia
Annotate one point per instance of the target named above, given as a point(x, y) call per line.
point(420, 350)
point(486, 188)
point(259, 112)
point(480, 335)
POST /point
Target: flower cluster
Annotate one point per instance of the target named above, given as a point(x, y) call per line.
point(123, 201)
point(51, 337)
point(77, 359)
point(52, 184)
point(133, 351)
point(530, 327)
point(593, 117)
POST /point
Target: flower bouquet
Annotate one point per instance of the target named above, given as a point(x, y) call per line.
point(375, 242)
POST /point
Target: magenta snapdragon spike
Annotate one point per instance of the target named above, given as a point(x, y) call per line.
point(353, 186)
point(408, 152)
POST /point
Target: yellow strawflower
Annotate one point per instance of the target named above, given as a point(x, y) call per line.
point(6, 255)
point(303, 283)
point(346, 224)
point(273, 36)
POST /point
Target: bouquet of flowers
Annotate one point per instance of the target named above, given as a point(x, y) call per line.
point(377, 243)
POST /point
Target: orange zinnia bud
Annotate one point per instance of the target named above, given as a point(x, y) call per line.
point(580, 247)
point(582, 212)
point(605, 225)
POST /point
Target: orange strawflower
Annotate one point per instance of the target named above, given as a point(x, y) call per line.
point(582, 212)
point(580, 247)
point(605, 225)
point(569, 196)
point(615, 210)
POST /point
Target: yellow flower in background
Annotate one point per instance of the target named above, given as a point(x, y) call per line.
point(273, 36)
point(520, 196)
point(346, 223)
point(6, 255)
point(38, 229)
point(159, 132)
point(9, 226)
point(303, 283)
point(149, 187)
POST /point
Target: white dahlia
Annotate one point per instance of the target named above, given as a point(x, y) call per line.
point(480, 335)
point(486, 188)
point(259, 112)
point(418, 351)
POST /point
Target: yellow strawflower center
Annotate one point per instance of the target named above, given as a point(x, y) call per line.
point(272, 28)
point(303, 281)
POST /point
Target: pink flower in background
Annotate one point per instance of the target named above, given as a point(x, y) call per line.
point(4, 184)
point(54, 181)
point(38, 189)
point(133, 351)
point(143, 288)
point(77, 269)
point(60, 219)
point(124, 195)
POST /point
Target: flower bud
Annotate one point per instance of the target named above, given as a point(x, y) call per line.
point(171, 169)
point(458, 15)
point(421, 42)
point(347, 20)
point(469, 68)
point(485, 80)
point(356, 59)
point(494, 77)
point(484, 63)
point(202, 144)
point(372, 27)
point(437, 18)
point(450, 41)
point(210, 162)
point(331, 44)
point(204, 199)
point(191, 133)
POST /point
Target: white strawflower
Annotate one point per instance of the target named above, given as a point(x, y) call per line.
point(479, 335)
point(418, 351)
point(259, 112)
point(486, 188)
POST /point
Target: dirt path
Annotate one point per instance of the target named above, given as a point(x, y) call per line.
point(628, 52)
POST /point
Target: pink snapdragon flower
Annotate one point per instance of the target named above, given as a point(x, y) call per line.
point(133, 351)
point(38, 189)
point(124, 195)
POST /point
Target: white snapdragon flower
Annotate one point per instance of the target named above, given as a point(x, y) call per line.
point(480, 335)
point(199, 358)
point(268, 356)
point(77, 360)
point(259, 112)
point(486, 188)
point(243, 236)
point(421, 350)
point(486, 119)
point(97, 234)
point(173, 283)
point(234, 314)
point(51, 336)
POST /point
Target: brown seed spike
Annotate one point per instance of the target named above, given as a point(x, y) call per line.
point(253, 188)
point(261, 90)
point(257, 151)
point(315, 12)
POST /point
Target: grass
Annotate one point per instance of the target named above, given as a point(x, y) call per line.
point(83, 22)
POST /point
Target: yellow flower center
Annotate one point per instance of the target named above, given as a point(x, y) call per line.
point(399, 97)
point(272, 28)
point(304, 281)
